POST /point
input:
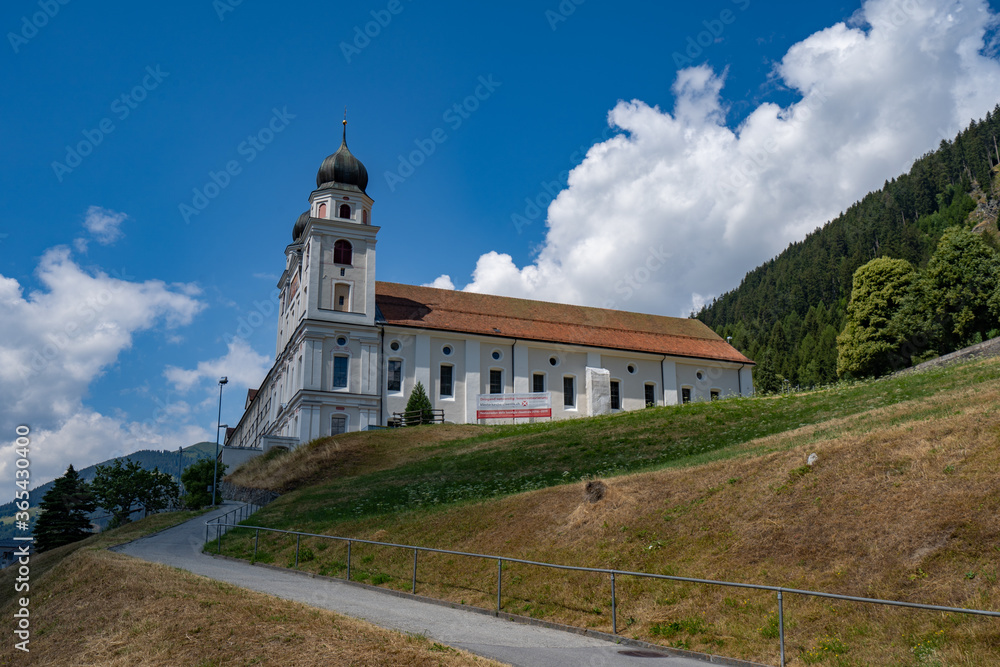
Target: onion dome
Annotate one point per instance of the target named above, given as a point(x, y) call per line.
point(300, 226)
point(343, 168)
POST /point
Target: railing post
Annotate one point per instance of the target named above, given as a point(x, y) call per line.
point(256, 539)
point(781, 629)
point(298, 539)
point(218, 530)
point(499, 581)
point(614, 607)
point(414, 571)
point(348, 560)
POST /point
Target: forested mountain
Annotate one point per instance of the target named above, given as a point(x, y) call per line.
point(786, 314)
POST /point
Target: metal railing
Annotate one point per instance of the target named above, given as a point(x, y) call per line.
point(779, 590)
point(241, 513)
point(416, 418)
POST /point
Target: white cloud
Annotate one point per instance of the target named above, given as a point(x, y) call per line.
point(441, 282)
point(680, 205)
point(104, 224)
point(56, 341)
point(241, 365)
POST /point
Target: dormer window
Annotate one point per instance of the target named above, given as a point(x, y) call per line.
point(345, 211)
point(321, 212)
point(342, 252)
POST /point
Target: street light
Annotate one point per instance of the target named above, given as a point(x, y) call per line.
point(218, 425)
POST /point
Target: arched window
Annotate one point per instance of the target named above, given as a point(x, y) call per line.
point(364, 217)
point(345, 211)
point(342, 252)
point(322, 210)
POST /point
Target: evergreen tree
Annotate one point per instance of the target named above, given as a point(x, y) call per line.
point(197, 479)
point(419, 405)
point(765, 379)
point(64, 512)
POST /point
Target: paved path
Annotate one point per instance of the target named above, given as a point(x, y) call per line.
point(513, 643)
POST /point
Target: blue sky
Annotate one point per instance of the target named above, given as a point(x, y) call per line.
point(711, 133)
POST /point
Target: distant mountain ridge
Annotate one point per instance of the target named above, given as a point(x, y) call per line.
point(170, 462)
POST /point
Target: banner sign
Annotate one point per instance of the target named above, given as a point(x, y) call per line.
point(513, 406)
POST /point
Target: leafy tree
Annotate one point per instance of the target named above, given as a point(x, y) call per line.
point(873, 338)
point(197, 479)
point(420, 403)
point(65, 512)
point(118, 488)
point(962, 287)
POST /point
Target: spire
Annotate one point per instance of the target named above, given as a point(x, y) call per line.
point(342, 167)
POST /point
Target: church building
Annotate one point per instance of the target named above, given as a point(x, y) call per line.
point(351, 349)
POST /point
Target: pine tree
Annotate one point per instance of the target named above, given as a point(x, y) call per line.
point(64, 512)
point(419, 405)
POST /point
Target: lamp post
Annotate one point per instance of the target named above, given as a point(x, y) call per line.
point(215, 474)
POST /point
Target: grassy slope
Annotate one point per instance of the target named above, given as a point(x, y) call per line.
point(902, 504)
point(94, 607)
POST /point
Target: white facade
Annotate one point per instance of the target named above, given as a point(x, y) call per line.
point(341, 366)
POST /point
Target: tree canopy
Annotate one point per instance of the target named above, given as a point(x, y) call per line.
point(120, 488)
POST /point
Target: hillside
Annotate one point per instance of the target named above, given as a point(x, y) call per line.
point(166, 461)
point(93, 607)
point(787, 312)
point(901, 505)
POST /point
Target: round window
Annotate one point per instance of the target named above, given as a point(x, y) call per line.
point(446, 350)
point(341, 341)
point(631, 368)
point(394, 346)
point(553, 361)
point(701, 375)
point(497, 355)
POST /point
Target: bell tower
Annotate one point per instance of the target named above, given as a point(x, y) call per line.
point(337, 242)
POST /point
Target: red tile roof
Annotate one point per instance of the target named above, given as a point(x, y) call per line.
point(485, 314)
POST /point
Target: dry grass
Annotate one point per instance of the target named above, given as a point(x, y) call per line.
point(345, 455)
point(902, 504)
point(93, 607)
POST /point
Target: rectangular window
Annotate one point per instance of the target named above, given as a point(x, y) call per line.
point(569, 392)
point(496, 381)
point(650, 395)
point(715, 394)
point(339, 372)
point(616, 395)
point(446, 383)
point(685, 395)
point(538, 383)
point(395, 379)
